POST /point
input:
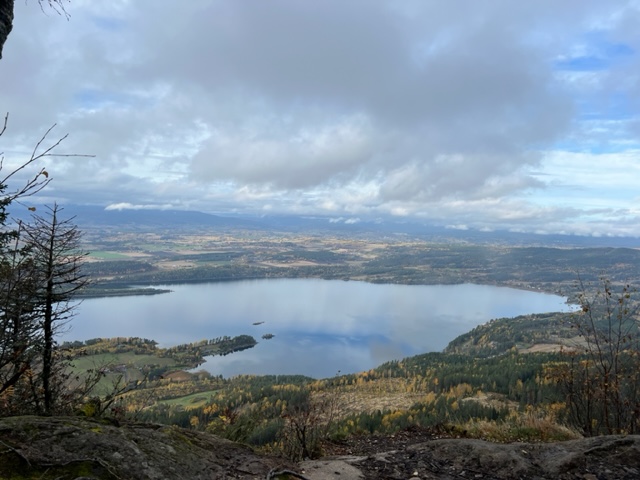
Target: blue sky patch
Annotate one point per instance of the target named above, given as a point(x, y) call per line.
point(599, 55)
point(583, 64)
point(108, 23)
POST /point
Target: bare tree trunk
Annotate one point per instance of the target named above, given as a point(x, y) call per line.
point(49, 298)
point(6, 16)
point(6, 21)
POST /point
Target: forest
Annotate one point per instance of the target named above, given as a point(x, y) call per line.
point(491, 383)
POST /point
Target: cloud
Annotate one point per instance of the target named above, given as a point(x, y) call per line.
point(128, 206)
point(357, 109)
point(284, 156)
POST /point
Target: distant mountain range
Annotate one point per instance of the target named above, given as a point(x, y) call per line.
point(91, 217)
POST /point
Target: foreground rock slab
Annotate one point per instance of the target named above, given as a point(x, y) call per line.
point(75, 447)
point(597, 458)
point(341, 468)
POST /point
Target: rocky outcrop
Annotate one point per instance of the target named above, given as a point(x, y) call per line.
point(77, 447)
point(74, 448)
point(596, 458)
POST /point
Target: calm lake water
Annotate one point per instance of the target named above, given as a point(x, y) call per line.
point(320, 327)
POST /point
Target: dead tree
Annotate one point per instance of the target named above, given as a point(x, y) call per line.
point(53, 245)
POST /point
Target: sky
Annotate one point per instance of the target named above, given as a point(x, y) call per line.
point(488, 115)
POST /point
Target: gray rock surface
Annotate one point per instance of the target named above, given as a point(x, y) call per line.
point(73, 448)
point(602, 458)
point(76, 447)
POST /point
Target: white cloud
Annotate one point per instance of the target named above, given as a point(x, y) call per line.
point(129, 206)
point(462, 113)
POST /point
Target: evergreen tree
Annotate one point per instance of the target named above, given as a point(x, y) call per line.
point(54, 248)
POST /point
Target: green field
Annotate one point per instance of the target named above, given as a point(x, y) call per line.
point(195, 400)
point(128, 358)
point(108, 361)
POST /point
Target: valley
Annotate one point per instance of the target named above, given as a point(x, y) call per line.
point(500, 381)
point(121, 259)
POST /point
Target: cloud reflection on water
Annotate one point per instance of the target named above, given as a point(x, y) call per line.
point(320, 326)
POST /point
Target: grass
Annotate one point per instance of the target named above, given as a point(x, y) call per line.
point(128, 358)
point(195, 400)
point(523, 428)
point(132, 362)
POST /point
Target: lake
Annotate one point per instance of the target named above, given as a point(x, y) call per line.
point(321, 327)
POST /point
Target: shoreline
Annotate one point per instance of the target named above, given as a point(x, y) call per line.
point(122, 289)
